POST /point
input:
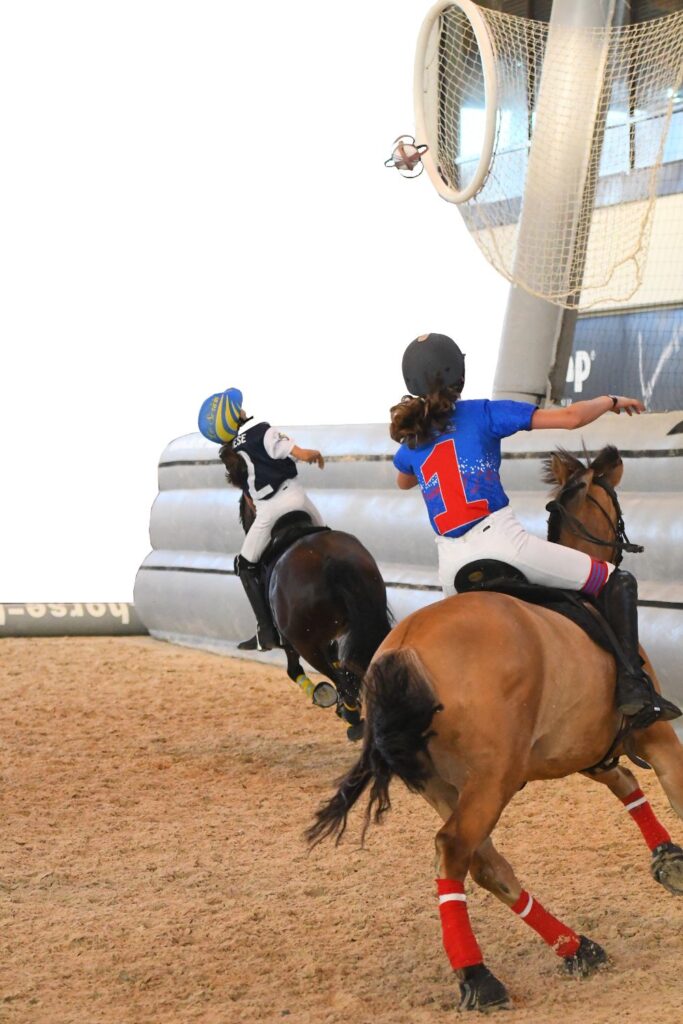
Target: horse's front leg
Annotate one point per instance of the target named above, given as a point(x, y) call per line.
point(660, 747)
point(667, 857)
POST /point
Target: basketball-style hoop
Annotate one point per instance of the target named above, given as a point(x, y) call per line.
point(551, 139)
point(406, 157)
point(460, 148)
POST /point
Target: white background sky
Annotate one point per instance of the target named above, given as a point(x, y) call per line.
point(192, 197)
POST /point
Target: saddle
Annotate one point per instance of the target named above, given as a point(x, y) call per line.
point(493, 575)
point(287, 530)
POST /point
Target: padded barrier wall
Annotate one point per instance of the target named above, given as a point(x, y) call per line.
point(186, 591)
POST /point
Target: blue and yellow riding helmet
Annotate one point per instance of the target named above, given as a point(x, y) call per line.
point(220, 416)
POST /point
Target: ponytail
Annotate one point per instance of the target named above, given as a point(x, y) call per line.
point(415, 421)
point(235, 466)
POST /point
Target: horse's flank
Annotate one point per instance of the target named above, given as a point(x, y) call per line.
point(512, 695)
point(340, 595)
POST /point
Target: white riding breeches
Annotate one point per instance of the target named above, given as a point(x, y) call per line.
point(502, 536)
point(291, 497)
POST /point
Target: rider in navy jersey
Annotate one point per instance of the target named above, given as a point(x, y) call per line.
point(450, 448)
point(259, 459)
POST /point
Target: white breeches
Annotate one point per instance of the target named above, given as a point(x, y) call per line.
point(291, 497)
point(502, 536)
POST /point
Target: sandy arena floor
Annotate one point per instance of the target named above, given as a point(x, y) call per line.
point(152, 867)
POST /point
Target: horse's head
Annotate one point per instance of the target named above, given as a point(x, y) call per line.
point(585, 512)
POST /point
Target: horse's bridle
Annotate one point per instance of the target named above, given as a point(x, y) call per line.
point(620, 543)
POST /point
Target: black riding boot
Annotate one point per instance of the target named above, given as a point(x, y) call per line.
point(635, 694)
point(266, 634)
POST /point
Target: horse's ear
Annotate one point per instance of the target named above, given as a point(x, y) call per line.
point(609, 465)
point(615, 474)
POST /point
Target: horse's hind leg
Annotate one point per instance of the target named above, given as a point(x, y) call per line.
point(476, 813)
point(661, 748)
point(489, 869)
point(665, 854)
point(348, 688)
point(343, 693)
point(323, 694)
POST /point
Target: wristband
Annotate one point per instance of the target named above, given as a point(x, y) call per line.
point(615, 401)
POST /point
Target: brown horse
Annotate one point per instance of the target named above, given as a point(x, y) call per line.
point(469, 699)
point(329, 603)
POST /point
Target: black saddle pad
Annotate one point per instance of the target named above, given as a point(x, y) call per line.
point(287, 530)
point(569, 603)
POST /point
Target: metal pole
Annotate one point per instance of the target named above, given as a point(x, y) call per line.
point(535, 330)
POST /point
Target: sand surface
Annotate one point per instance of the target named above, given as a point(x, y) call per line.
point(152, 867)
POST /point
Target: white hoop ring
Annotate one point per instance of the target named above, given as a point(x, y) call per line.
point(423, 133)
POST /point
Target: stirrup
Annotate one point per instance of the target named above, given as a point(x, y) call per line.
point(640, 703)
point(658, 709)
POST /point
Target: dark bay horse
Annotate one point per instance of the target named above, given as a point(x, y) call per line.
point(329, 603)
point(469, 699)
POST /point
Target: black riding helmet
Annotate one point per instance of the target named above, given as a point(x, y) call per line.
point(433, 361)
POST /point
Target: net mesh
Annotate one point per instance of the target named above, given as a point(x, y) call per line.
point(598, 105)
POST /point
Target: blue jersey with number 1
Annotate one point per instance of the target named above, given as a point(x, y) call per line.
point(458, 470)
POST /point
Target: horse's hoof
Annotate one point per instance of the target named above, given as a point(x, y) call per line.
point(355, 732)
point(667, 867)
point(350, 715)
point(325, 695)
point(481, 990)
point(589, 957)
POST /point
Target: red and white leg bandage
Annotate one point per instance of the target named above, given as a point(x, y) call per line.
point(638, 806)
point(562, 939)
point(462, 949)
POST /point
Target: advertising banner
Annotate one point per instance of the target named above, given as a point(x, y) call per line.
point(637, 353)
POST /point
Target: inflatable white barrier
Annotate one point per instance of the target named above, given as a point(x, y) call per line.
point(72, 619)
point(186, 590)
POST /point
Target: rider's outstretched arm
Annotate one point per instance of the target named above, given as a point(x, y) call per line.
point(308, 455)
point(580, 413)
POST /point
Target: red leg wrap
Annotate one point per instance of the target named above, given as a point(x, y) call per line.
point(462, 949)
point(638, 806)
point(563, 940)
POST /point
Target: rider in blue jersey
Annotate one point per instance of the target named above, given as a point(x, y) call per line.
point(450, 448)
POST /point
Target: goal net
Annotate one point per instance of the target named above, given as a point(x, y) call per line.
point(553, 144)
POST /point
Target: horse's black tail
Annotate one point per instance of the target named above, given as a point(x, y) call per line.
point(363, 596)
point(400, 705)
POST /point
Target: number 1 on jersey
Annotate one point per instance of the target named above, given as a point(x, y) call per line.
point(442, 463)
